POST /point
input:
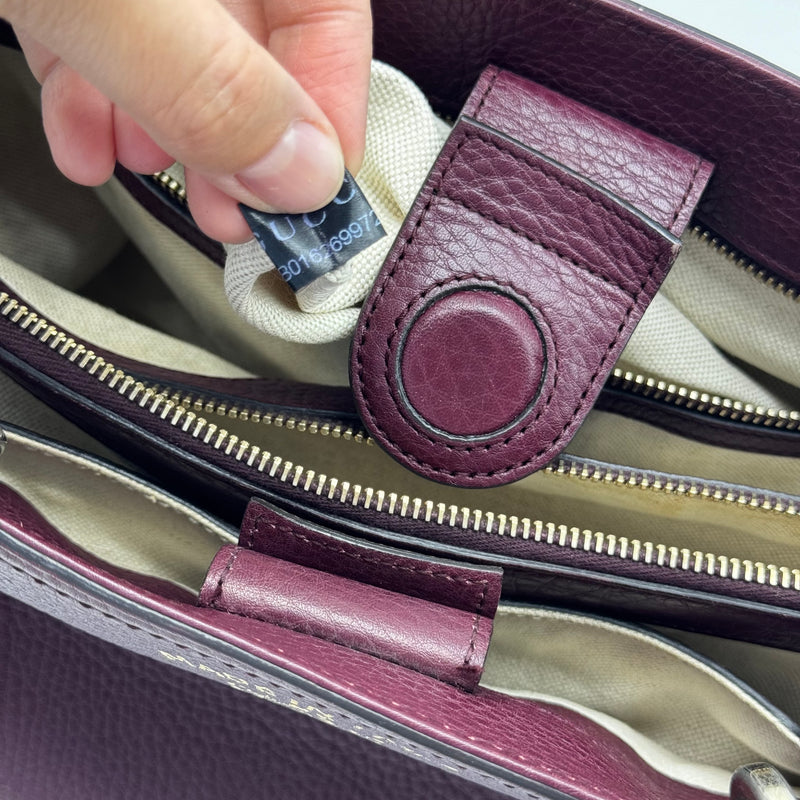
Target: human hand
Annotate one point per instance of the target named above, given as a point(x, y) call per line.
point(258, 99)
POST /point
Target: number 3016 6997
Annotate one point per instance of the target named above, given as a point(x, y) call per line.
point(330, 248)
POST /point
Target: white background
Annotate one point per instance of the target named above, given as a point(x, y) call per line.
point(768, 28)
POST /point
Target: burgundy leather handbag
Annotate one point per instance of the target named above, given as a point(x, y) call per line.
point(500, 562)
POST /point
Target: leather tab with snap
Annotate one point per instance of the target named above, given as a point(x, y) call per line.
point(540, 236)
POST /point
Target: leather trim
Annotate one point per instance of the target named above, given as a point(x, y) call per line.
point(432, 616)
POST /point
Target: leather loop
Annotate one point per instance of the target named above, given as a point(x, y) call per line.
point(515, 283)
point(432, 616)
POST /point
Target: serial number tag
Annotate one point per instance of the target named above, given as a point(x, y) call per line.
point(305, 246)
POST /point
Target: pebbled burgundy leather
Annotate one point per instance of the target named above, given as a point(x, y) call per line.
point(499, 345)
point(445, 643)
point(353, 593)
point(107, 723)
point(458, 585)
point(659, 179)
point(502, 236)
point(679, 84)
point(418, 716)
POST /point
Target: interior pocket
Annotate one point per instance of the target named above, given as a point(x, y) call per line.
point(112, 515)
point(682, 715)
point(680, 712)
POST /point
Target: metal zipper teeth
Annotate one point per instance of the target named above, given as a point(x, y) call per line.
point(180, 412)
point(279, 419)
point(704, 402)
point(780, 285)
point(655, 388)
point(172, 187)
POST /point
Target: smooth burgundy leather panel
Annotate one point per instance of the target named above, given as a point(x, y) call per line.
point(494, 216)
point(663, 181)
point(533, 740)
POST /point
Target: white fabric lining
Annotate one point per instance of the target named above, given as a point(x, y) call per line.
point(702, 776)
point(630, 442)
point(771, 671)
point(736, 311)
point(105, 328)
point(197, 284)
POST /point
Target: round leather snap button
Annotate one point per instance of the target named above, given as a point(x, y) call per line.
point(472, 362)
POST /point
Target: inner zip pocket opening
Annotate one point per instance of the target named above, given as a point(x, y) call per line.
point(721, 541)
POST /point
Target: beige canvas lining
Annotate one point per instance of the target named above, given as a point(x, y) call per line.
point(680, 715)
point(621, 440)
point(111, 516)
point(680, 520)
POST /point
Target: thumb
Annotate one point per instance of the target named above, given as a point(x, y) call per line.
point(202, 88)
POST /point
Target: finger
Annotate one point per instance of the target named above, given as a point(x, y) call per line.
point(327, 46)
point(78, 124)
point(76, 117)
point(40, 59)
point(214, 211)
point(202, 88)
point(135, 149)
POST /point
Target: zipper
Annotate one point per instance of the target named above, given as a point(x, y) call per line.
point(201, 404)
point(171, 186)
point(653, 387)
point(705, 402)
point(745, 263)
point(185, 412)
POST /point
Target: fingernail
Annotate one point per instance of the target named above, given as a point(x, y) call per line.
point(303, 171)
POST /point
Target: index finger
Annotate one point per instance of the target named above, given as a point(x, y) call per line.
point(326, 45)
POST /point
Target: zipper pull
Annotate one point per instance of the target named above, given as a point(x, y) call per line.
point(760, 782)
